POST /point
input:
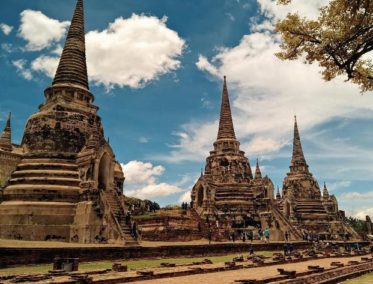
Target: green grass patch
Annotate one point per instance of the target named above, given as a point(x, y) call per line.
point(365, 279)
point(132, 264)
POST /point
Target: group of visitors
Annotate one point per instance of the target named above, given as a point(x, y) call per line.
point(132, 225)
point(184, 206)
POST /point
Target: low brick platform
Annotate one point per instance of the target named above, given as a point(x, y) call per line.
point(21, 256)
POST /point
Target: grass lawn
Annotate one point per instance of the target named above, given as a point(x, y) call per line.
point(365, 279)
point(132, 264)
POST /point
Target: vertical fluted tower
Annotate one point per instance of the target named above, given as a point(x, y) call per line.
point(72, 68)
point(258, 173)
point(226, 128)
point(298, 163)
point(6, 136)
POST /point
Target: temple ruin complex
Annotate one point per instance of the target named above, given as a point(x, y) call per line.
point(63, 182)
point(227, 191)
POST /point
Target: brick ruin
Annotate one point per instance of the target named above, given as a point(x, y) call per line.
point(228, 194)
point(63, 182)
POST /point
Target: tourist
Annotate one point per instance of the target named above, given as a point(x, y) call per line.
point(260, 233)
point(209, 235)
point(251, 236)
point(251, 250)
point(286, 236)
point(134, 230)
point(286, 249)
point(266, 235)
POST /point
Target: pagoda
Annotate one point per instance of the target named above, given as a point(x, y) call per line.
point(303, 204)
point(227, 189)
point(67, 185)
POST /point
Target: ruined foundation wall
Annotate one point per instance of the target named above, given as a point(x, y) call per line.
point(8, 163)
point(169, 228)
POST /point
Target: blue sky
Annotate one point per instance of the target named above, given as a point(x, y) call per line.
point(156, 69)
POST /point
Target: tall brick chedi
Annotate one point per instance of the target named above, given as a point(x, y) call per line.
point(67, 185)
point(228, 192)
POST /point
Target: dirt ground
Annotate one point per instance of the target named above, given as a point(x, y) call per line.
point(251, 273)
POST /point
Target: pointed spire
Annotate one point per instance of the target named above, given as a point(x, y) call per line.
point(72, 68)
point(258, 173)
point(278, 195)
point(226, 129)
point(6, 136)
point(325, 193)
point(298, 162)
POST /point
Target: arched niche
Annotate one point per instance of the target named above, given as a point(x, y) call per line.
point(200, 196)
point(105, 172)
point(287, 209)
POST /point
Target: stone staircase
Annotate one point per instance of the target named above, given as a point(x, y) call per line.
point(285, 223)
point(216, 234)
point(311, 209)
point(237, 198)
point(44, 179)
point(118, 212)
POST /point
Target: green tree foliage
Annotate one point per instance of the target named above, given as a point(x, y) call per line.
point(340, 40)
point(359, 226)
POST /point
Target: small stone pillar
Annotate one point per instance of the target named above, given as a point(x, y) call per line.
point(369, 225)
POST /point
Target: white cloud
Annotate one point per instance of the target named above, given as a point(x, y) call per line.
point(45, 64)
point(40, 31)
point(265, 94)
point(231, 17)
point(142, 181)
point(131, 52)
point(309, 9)
point(154, 191)
point(20, 65)
point(6, 29)
point(143, 140)
point(137, 172)
point(185, 197)
point(333, 186)
point(357, 195)
point(363, 213)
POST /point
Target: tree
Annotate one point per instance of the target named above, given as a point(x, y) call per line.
point(340, 40)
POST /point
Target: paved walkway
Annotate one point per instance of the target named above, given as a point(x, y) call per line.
point(250, 273)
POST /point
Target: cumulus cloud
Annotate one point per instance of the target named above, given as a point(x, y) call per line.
point(40, 31)
point(142, 181)
point(357, 195)
point(20, 65)
point(45, 64)
point(131, 52)
point(143, 140)
point(266, 93)
point(185, 197)
point(363, 213)
point(333, 186)
point(273, 11)
point(6, 29)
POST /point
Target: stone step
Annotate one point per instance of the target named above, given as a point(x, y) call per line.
point(41, 187)
point(47, 160)
point(45, 180)
point(43, 173)
point(236, 197)
point(48, 166)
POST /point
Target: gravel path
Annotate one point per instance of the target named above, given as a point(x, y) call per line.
point(252, 273)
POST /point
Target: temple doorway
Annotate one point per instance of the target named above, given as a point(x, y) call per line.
point(287, 209)
point(104, 172)
point(200, 197)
